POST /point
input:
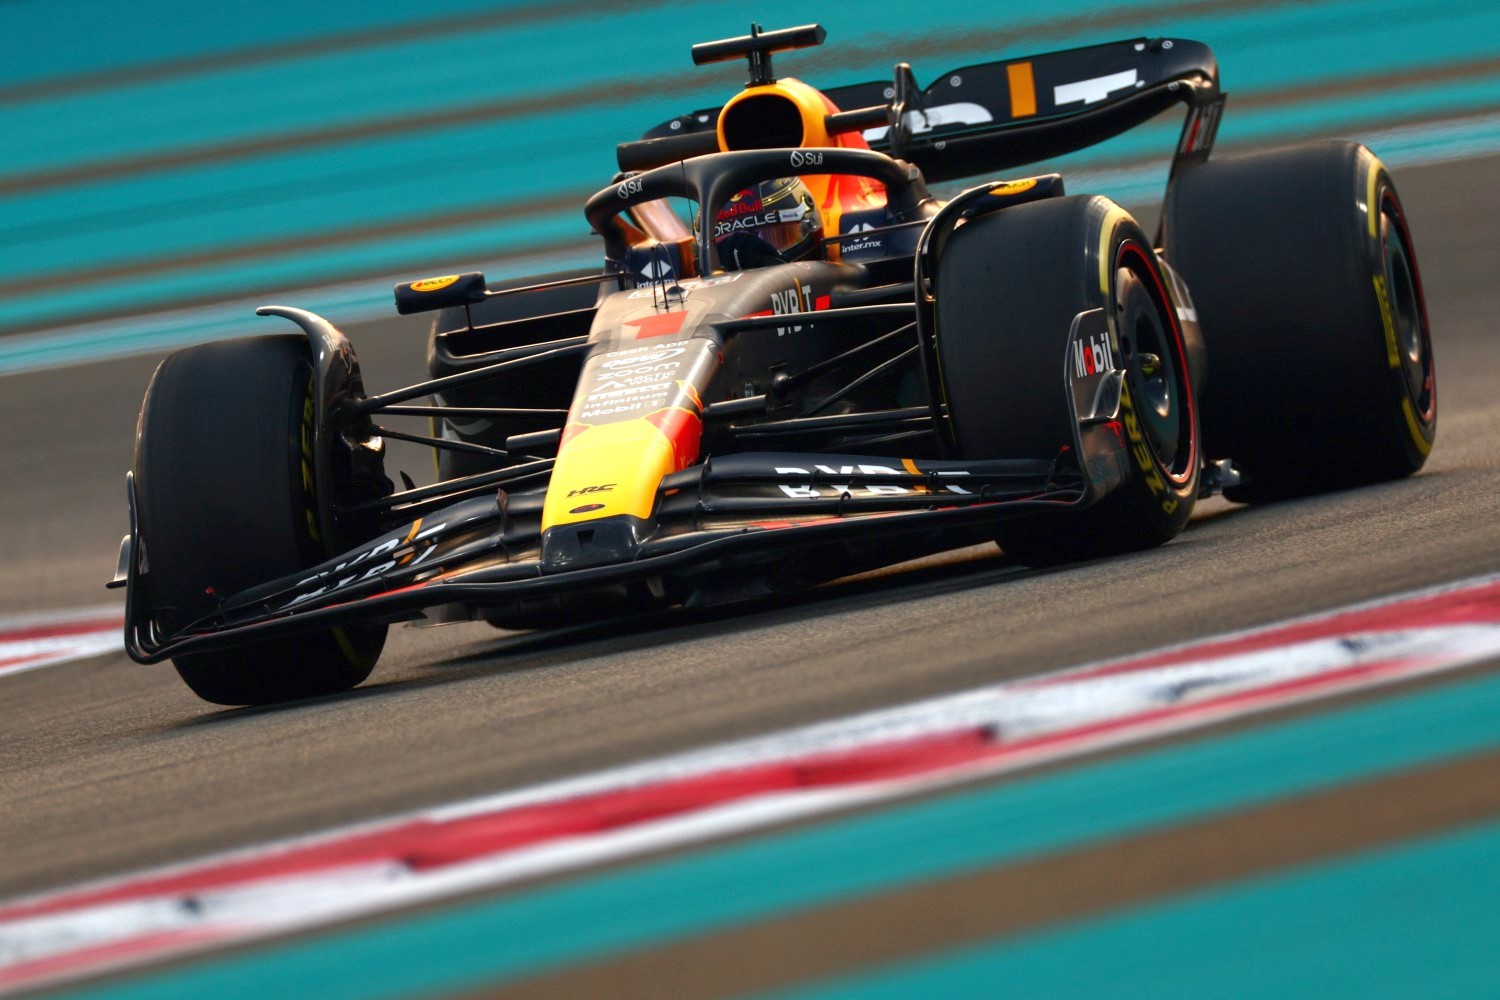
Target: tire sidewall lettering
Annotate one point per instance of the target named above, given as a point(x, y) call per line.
point(309, 478)
point(1163, 492)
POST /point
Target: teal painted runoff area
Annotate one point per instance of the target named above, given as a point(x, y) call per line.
point(593, 916)
point(77, 37)
point(1365, 926)
point(462, 133)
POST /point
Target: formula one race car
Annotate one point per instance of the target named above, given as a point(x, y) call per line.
point(795, 363)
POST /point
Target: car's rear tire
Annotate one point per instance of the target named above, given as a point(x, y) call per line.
point(1305, 279)
point(224, 503)
point(1009, 287)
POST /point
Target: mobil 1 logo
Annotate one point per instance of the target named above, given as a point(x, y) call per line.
point(1092, 371)
point(1092, 355)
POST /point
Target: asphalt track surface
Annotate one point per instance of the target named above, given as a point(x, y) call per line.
point(107, 766)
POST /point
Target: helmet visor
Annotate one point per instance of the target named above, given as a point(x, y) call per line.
point(781, 213)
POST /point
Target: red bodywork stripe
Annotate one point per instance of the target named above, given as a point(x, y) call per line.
point(684, 429)
point(660, 325)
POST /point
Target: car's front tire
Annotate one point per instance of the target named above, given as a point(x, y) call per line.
point(225, 500)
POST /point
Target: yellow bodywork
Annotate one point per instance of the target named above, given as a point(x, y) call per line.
point(618, 466)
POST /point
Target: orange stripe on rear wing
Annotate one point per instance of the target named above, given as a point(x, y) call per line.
point(1022, 89)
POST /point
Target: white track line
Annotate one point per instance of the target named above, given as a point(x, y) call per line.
point(45, 639)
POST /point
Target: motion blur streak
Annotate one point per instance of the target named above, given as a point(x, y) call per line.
point(1339, 845)
point(267, 201)
point(729, 789)
point(591, 918)
point(31, 641)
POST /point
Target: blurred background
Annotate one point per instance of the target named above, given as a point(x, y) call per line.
point(168, 166)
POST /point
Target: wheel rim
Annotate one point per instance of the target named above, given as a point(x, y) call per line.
point(1155, 363)
point(1408, 312)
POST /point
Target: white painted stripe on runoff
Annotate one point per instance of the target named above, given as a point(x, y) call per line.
point(267, 907)
point(1405, 146)
point(1031, 721)
point(45, 639)
point(67, 616)
point(1018, 711)
point(1436, 142)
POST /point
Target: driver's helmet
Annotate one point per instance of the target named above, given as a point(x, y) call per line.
point(776, 220)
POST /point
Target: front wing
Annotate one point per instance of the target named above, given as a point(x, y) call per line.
point(726, 516)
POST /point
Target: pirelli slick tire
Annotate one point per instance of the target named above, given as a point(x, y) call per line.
point(1008, 289)
point(223, 503)
point(1305, 279)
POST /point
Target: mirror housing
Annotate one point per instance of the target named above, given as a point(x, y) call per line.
point(427, 294)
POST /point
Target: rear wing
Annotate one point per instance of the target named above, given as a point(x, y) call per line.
point(993, 116)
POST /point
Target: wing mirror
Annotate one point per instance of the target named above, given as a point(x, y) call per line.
point(440, 293)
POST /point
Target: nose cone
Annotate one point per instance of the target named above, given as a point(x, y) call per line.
point(591, 543)
point(609, 470)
